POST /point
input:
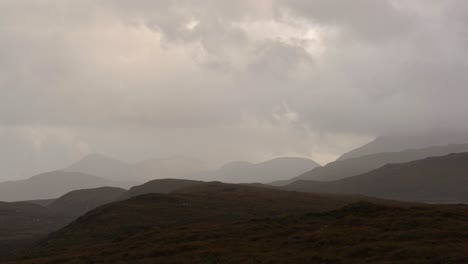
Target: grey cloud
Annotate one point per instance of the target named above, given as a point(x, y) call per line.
point(248, 80)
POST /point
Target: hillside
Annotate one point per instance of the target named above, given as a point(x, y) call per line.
point(397, 143)
point(264, 172)
point(436, 179)
point(159, 186)
point(21, 224)
point(238, 224)
point(354, 166)
point(52, 185)
point(78, 202)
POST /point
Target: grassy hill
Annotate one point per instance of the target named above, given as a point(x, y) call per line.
point(219, 223)
point(78, 202)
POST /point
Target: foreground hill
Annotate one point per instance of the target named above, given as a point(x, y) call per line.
point(399, 143)
point(219, 223)
point(351, 167)
point(76, 203)
point(21, 224)
point(264, 172)
point(435, 179)
point(116, 170)
point(51, 185)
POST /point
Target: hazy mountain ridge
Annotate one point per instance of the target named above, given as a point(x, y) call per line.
point(398, 143)
point(140, 172)
point(354, 166)
point(263, 172)
point(433, 179)
point(52, 185)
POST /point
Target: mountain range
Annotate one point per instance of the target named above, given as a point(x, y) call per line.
point(397, 143)
point(354, 166)
point(140, 172)
point(434, 180)
point(264, 172)
point(52, 185)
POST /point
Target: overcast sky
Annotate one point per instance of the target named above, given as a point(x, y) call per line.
point(223, 80)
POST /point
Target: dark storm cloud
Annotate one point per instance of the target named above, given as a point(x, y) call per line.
point(255, 79)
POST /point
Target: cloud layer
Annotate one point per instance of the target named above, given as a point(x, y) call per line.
point(223, 80)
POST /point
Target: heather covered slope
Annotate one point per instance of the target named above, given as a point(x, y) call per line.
point(354, 166)
point(21, 224)
point(219, 223)
point(435, 179)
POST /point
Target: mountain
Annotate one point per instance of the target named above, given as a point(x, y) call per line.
point(52, 185)
point(264, 172)
point(222, 223)
point(159, 186)
point(173, 167)
point(112, 169)
point(354, 166)
point(397, 143)
point(78, 202)
point(21, 224)
point(436, 180)
point(105, 167)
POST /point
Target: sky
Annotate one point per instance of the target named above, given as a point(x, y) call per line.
point(222, 80)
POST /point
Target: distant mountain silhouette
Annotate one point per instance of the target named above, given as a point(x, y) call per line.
point(112, 169)
point(173, 167)
point(264, 172)
point(52, 185)
point(436, 179)
point(78, 202)
point(398, 143)
point(354, 166)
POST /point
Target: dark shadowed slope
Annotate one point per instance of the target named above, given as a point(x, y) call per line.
point(51, 185)
point(240, 224)
point(76, 203)
point(435, 179)
point(402, 142)
point(21, 224)
point(116, 170)
point(268, 171)
point(351, 167)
